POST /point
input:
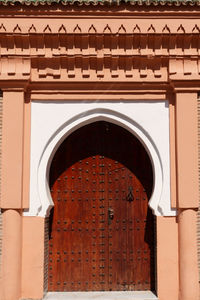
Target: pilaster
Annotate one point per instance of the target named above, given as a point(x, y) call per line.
point(187, 149)
point(12, 149)
point(188, 267)
point(10, 279)
point(187, 192)
point(14, 185)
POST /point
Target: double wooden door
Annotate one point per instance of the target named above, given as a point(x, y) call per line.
point(101, 230)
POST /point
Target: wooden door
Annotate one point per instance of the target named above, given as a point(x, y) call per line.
point(101, 230)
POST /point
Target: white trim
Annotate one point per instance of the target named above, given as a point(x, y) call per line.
point(111, 295)
point(52, 122)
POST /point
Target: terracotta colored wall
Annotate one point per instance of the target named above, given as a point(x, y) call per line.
point(149, 70)
point(10, 273)
point(198, 214)
point(187, 150)
point(167, 258)
point(12, 165)
point(1, 109)
point(26, 154)
point(1, 237)
point(188, 269)
point(33, 257)
point(173, 188)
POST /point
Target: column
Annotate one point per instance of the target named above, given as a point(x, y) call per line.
point(11, 192)
point(187, 188)
point(189, 288)
point(11, 255)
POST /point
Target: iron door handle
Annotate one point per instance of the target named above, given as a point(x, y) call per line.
point(111, 213)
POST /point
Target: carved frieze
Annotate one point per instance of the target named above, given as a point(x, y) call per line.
point(100, 25)
point(110, 55)
point(120, 42)
point(108, 68)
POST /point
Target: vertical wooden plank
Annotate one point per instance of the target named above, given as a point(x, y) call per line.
point(103, 212)
point(12, 149)
point(76, 219)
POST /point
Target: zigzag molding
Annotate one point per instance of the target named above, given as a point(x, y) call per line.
point(101, 28)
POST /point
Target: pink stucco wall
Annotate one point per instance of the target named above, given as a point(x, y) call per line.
point(69, 54)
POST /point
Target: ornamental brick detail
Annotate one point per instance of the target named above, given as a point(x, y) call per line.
point(99, 56)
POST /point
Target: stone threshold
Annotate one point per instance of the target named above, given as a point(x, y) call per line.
point(121, 295)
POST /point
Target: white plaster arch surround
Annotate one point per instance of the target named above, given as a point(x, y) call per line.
point(53, 121)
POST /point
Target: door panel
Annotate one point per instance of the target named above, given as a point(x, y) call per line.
point(101, 230)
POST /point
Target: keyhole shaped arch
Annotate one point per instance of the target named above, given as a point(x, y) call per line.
point(101, 180)
point(83, 119)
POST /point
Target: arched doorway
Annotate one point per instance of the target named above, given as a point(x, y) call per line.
point(101, 229)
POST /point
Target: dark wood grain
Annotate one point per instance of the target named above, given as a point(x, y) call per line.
point(98, 170)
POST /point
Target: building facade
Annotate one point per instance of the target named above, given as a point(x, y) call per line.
point(99, 164)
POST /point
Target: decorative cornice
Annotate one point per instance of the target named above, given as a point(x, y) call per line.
point(100, 45)
point(184, 69)
point(17, 68)
point(104, 27)
point(135, 57)
point(113, 68)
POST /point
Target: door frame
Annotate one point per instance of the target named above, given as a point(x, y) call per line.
point(149, 233)
point(46, 142)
